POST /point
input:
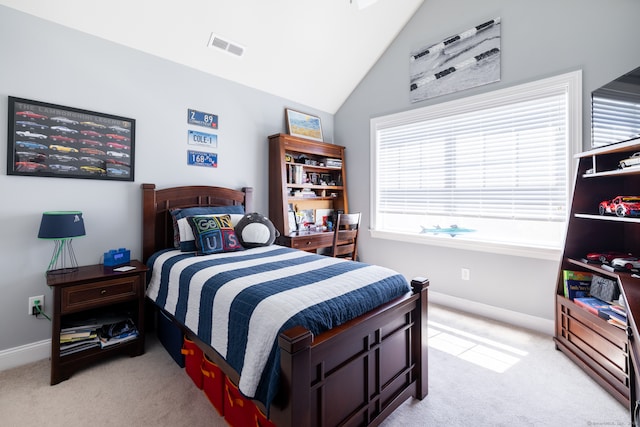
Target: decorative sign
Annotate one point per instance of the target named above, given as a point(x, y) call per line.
point(199, 118)
point(202, 138)
point(200, 158)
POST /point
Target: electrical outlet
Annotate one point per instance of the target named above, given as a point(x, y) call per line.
point(464, 273)
point(32, 304)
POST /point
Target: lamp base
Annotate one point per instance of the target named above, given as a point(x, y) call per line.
point(66, 270)
point(63, 260)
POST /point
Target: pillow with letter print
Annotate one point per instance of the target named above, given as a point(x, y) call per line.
point(214, 234)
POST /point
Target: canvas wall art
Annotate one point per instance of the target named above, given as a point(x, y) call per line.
point(468, 59)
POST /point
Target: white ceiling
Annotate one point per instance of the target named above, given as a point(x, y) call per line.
point(313, 52)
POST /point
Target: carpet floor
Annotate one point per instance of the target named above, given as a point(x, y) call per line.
point(481, 373)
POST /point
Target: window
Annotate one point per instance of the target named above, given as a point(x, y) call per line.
point(490, 171)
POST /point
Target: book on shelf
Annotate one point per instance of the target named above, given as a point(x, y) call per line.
point(108, 342)
point(116, 333)
point(619, 310)
point(607, 313)
point(66, 337)
point(591, 304)
point(616, 323)
point(96, 333)
point(576, 284)
point(75, 347)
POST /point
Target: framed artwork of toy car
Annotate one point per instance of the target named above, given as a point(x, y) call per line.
point(57, 141)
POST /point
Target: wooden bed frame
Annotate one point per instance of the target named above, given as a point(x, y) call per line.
point(353, 375)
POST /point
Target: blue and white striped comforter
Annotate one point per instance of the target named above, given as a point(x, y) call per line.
point(239, 302)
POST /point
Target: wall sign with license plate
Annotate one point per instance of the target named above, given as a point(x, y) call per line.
point(202, 138)
point(199, 118)
point(201, 158)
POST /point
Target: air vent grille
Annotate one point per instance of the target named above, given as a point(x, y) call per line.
point(232, 48)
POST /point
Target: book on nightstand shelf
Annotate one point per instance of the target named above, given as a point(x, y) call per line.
point(116, 333)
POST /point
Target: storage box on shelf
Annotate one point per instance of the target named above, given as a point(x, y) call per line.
point(305, 178)
point(600, 348)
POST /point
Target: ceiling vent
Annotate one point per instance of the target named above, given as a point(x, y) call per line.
point(230, 47)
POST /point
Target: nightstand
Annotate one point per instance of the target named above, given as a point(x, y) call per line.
point(90, 293)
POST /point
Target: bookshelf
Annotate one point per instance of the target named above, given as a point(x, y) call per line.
point(609, 354)
point(307, 181)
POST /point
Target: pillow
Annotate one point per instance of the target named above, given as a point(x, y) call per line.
point(214, 234)
point(200, 210)
point(255, 230)
point(186, 240)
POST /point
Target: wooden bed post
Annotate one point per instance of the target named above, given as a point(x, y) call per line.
point(295, 345)
point(148, 220)
point(420, 347)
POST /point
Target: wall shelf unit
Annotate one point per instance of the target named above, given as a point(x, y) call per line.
point(609, 354)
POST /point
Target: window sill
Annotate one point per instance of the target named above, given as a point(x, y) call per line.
point(497, 248)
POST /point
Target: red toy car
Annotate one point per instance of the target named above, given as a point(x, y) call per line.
point(606, 256)
point(621, 206)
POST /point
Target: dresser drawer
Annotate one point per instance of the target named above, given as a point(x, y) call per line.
point(82, 297)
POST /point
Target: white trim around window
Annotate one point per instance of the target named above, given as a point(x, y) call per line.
point(495, 170)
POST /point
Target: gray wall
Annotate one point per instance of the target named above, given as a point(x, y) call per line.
point(50, 63)
point(539, 39)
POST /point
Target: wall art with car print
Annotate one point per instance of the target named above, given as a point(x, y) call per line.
point(56, 141)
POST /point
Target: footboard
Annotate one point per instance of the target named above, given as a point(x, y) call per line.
point(358, 373)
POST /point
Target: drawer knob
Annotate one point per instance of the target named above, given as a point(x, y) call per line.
point(102, 292)
point(308, 243)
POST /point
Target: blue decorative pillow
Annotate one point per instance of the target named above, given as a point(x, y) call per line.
point(179, 213)
point(214, 234)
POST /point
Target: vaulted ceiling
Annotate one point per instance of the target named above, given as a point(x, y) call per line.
point(310, 52)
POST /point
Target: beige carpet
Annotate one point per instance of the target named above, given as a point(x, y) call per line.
point(481, 373)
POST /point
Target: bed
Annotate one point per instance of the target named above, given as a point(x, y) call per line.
point(356, 373)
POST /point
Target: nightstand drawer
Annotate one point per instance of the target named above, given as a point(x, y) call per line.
point(76, 298)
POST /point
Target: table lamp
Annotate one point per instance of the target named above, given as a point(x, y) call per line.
point(62, 227)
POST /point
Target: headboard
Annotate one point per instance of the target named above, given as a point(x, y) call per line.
point(157, 223)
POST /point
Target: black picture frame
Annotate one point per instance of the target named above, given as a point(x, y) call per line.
point(52, 140)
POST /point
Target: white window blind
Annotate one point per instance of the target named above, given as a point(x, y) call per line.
point(497, 164)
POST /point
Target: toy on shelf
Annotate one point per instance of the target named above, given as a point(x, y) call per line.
point(632, 160)
point(628, 263)
point(621, 206)
point(605, 257)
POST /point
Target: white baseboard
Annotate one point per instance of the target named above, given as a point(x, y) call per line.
point(24, 354)
point(538, 324)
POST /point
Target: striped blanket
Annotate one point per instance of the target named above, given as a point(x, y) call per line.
point(239, 302)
